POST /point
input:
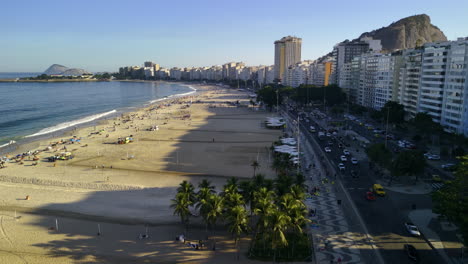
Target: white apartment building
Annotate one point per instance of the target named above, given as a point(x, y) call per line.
point(149, 72)
point(298, 74)
point(444, 84)
point(176, 73)
point(383, 80)
point(408, 86)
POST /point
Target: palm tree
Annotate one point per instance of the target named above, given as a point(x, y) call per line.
point(181, 205)
point(238, 223)
point(215, 206)
point(263, 206)
point(254, 165)
point(296, 210)
point(205, 189)
point(247, 189)
point(188, 189)
point(278, 222)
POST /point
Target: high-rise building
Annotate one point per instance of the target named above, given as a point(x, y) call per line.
point(345, 51)
point(444, 84)
point(408, 86)
point(287, 53)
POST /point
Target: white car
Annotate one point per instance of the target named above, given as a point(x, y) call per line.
point(343, 158)
point(354, 161)
point(328, 135)
point(341, 166)
point(327, 149)
point(412, 229)
point(346, 152)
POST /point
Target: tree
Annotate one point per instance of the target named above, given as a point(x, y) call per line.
point(205, 189)
point(181, 205)
point(379, 154)
point(187, 188)
point(237, 220)
point(278, 222)
point(451, 201)
point(425, 125)
point(214, 205)
point(409, 163)
point(254, 165)
point(283, 183)
point(394, 111)
point(247, 190)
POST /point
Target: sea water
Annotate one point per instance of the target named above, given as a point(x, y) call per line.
point(31, 109)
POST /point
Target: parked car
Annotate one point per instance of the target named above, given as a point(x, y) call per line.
point(447, 166)
point(370, 196)
point(343, 158)
point(341, 166)
point(431, 156)
point(328, 135)
point(411, 252)
point(412, 229)
point(327, 149)
point(346, 152)
point(354, 161)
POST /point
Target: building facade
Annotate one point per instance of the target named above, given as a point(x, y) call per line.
point(287, 53)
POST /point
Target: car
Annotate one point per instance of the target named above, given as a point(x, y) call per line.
point(354, 161)
point(434, 157)
point(411, 252)
point(370, 196)
point(378, 189)
point(327, 149)
point(340, 145)
point(343, 158)
point(312, 129)
point(412, 229)
point(436, 178)
point(330, 143)
point(346, 152)
point(447, 166)
point(328, 135)
point(341, 166)
point(390, 136)
point(354, 174)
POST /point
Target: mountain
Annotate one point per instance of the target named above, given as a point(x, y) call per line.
point(407, 33)
point(57, 69)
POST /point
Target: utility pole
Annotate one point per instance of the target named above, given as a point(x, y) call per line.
point(277, 100)
point(386, 128)
point(298, 147)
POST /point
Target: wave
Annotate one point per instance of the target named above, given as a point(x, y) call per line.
point(174, 95)
point(70, 124)
point(8, 144)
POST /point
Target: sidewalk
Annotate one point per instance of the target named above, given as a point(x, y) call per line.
point(332, 237)
point(423, 219)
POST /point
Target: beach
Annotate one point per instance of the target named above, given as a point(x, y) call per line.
point(195, 137)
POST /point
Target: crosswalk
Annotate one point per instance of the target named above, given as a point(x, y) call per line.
point(437, 185)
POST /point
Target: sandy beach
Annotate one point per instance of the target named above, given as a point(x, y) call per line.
point(125, 187)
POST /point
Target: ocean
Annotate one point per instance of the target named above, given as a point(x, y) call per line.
point(29, 110)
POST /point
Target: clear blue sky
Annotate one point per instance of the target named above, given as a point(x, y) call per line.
point(103, 35)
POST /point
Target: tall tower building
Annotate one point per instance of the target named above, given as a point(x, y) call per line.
point(287, 53)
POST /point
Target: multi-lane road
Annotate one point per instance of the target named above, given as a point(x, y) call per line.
point(385, 217)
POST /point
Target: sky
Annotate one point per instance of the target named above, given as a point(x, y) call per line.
point(105, 35)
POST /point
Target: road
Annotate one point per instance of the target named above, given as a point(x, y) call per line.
point(384, 217)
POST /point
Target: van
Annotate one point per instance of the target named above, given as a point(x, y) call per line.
point(378, 189)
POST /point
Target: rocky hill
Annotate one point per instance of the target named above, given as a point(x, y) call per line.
point(57, 69)
point(407, 33)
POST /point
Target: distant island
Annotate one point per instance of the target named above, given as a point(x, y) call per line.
point(60, 73)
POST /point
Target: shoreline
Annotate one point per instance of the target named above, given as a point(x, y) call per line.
point(33, 138)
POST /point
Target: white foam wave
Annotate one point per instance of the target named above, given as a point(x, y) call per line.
point(71, 123)
point(8, 144)
point(174, 95)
